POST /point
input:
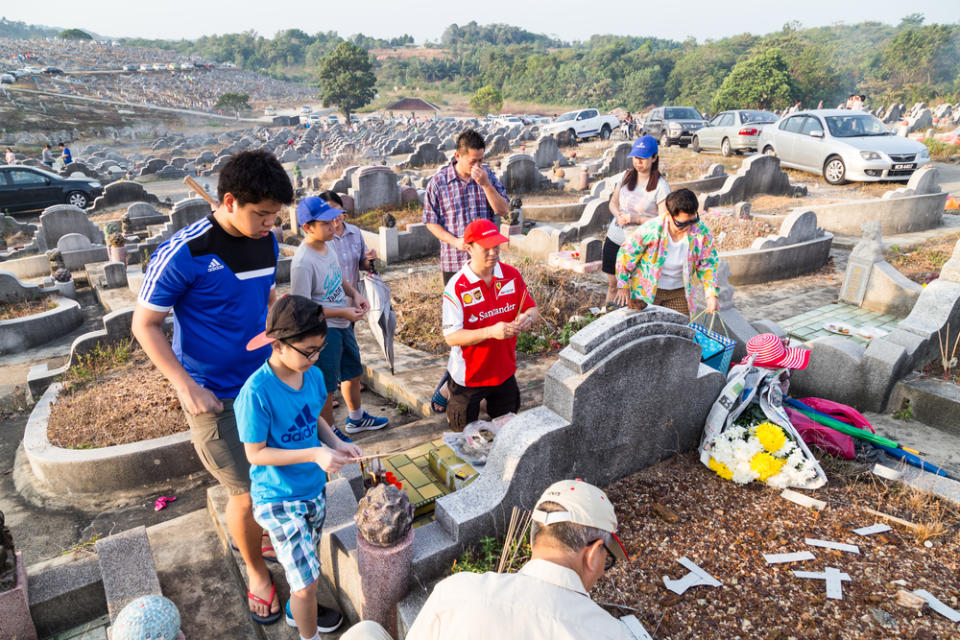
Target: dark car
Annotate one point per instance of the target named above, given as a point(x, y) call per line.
point(30, 188)
point(53, 71)
point(673, 125)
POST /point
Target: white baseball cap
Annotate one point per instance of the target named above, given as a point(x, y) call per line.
point(583, 504)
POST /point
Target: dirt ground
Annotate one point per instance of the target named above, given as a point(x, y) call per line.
point(737, 233)
point(922, 263)
point(680, 508)
point(371, 220)
point(114, 399)
point(11, 310)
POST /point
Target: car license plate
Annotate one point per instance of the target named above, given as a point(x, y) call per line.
point(901, 167)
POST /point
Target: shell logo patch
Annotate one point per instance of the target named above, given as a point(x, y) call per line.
point(472, 297)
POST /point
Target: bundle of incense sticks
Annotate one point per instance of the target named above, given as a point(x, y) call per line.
point(517, 529)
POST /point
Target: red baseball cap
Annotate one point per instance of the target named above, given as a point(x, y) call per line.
point(484, 233)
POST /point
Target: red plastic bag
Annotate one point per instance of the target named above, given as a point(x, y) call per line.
point(825, 438)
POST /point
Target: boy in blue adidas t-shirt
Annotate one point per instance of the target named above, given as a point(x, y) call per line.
point(217, 277)
point(290, 448)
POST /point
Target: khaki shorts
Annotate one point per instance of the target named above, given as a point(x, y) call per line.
point(215, 437)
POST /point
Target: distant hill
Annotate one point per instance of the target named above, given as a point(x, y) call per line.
point(22, 30)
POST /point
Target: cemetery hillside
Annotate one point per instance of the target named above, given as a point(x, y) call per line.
point(492, 335)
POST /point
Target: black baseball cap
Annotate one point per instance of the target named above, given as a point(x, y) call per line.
point(289, 317)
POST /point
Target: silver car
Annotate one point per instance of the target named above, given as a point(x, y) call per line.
point(733, 131)
point(843, 145)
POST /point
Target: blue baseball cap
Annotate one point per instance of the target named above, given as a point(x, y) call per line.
point(314, 208)
point(644, 147)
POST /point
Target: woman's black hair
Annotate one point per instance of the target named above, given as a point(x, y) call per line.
point(332, 197)
point(632, 175)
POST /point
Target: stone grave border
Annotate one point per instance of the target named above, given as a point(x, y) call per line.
point(533, 449)
point(19, 334)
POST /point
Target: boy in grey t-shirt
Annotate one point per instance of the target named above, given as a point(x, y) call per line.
point(315, 273)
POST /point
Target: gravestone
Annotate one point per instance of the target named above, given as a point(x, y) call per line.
point(591, 250)
point(73, 242)
point(375, 187)
point(547, 152)
point(617, 159)
point(12, 290)
point(186, 212)
point(520, 174)
point(865, 254)
point(497, 145)
point(426, 154)
point(122, 192)
point(59, 220)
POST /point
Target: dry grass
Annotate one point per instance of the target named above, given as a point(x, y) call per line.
point(922, 263)
point(114, 395)
point(559, 295)
point(371, 220)
point(13, 310)
point(732, 233)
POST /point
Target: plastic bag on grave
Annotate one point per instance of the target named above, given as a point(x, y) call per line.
point(475, 442)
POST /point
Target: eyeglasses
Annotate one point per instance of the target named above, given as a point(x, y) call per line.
point(688, 223)
point(611, 558)
point(309, 355)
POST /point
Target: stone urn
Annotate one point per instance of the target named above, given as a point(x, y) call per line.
point(63, 281)
point(384, 553)
point(117, 249)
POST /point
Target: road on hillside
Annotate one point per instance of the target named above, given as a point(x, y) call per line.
point(203, 114)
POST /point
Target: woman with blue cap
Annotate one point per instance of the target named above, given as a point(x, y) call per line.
point(639, 197)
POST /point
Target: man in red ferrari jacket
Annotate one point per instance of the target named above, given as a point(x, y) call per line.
point(485, 305)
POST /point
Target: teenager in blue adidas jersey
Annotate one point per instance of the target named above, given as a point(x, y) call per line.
point(217, 277)
point(290, 448)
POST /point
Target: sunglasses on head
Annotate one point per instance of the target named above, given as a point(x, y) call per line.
point(688, 223)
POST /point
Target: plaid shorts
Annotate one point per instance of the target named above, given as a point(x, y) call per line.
point(294, 529)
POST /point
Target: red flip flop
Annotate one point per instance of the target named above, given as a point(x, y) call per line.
point(268, 619)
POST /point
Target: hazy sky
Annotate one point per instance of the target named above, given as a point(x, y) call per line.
point(568, 19)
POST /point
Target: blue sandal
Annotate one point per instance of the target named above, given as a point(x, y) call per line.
point(438, 403)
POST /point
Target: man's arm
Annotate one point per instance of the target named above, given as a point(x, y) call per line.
point(147, 328)
point(497, 201)
point(445, 236)
point(467, 337)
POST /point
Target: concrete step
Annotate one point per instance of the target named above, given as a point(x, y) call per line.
point(195, 573)
point(939, 447)
point(933, 401)
point(126, 565)
point(216, 509)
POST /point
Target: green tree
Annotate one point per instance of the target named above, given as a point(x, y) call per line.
point(346, 80)
point(762, 81)
point(74, 34)
point(486, 100)
point(235, 101)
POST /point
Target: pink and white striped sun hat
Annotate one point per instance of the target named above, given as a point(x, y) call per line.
point(771, 354)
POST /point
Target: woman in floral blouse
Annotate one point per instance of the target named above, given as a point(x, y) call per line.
point(657, 264)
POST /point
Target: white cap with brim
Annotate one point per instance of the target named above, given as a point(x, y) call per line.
point(583, 504)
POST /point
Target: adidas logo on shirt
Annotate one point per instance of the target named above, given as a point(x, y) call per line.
point(215, 265)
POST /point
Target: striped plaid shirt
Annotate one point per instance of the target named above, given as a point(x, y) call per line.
point(454, 203)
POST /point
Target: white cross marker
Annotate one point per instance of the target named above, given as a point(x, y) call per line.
point(829, 544)
point(695, 578)
point(834, 579)
point(872, 529)
point(950, 614)
point(797, 556)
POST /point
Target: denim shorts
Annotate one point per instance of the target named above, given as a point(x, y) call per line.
point(340, 358)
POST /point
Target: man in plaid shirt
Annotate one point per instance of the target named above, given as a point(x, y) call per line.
point(458, 194)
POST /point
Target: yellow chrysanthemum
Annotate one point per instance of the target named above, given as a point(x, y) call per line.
point(720, 469)
point(770, 436)
point(765, 465)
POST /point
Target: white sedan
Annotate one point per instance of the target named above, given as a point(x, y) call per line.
point(842, 145)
